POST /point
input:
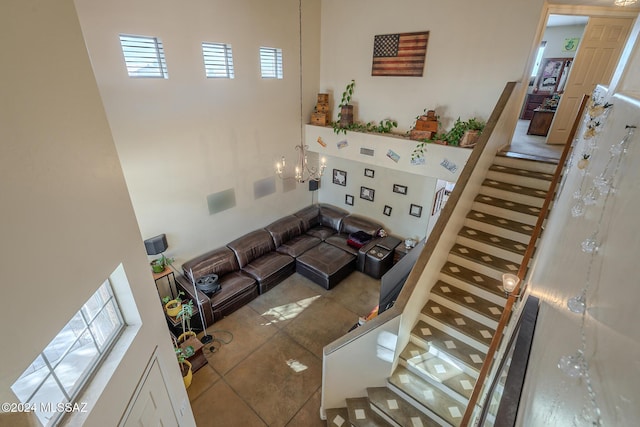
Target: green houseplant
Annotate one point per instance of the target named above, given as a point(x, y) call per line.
point(184, 316)
point(185, 365)
point(345, 115)
point(159, 264)
point(173, 305)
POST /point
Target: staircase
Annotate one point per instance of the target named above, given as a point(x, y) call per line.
point(438, 368)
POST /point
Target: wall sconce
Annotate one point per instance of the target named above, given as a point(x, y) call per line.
point(303, 172)
point(509, 283)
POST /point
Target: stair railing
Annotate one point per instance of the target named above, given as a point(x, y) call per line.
point(522, 271)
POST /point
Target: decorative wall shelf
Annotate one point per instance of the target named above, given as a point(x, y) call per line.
point(389, 151)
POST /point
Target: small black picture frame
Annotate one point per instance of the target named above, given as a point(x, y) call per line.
point(369, 173)
point(415, 210)
point(348, 199)
point(400, 189)
point(367, 193)
point(339, 177)
point(387, 210)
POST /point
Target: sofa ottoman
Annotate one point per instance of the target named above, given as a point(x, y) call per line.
point(325, 265)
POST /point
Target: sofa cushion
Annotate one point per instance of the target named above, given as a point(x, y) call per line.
point(285, 229)
point(270, 269)
point(354, 223)
point(298, 245)
point(331, 217)
point(310, 216)
point(321, 232)
point(219, 261)
point(251, 246)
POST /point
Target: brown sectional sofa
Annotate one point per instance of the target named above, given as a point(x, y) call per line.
point(312, 241)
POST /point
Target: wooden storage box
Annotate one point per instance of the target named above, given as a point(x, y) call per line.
point(323, 98)
point(322, 108)
point(320, 119)
point(419, 135)
point(427, 125)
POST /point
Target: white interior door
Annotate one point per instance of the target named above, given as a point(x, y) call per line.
point(594, 64)
point(152, 407)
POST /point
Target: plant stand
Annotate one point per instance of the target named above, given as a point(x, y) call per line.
point(198, 360)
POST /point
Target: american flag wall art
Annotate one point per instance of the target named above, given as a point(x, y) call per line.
point(399, 54)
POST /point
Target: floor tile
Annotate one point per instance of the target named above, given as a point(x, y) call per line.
point(248, 331)
point(360, 294)
point(285, 302)
point(221, 406)
point(277, 380)
point(322, 322)
point(203, 379)
point(309, 414)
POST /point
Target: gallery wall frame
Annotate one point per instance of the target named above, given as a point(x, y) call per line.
point(400, 189)
point(387, 210)
point(348, 199)
point(367, 193)
point(415, 210)
point(340, 177)
point(369, 173)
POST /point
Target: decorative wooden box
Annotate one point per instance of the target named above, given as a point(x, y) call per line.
point(419, 135)
point(323, 98)
point(320, 119)
point(428, 125)
point(322, 108)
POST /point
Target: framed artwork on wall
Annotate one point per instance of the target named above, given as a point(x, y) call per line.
point(367, 193)
point(415, 210)
point(348, 199)
point(402, 189)
point(339, 177)
point(437, 201)
point(369, 173)
point(387, 210)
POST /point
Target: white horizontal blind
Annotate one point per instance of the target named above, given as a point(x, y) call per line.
point(218, 60)
point(144, 56)
point(271, 63)
point(57, 375)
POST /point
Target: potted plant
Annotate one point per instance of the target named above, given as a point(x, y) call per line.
point(173, 306)
point(184, 315)
point(185, 365)
point(473, 129)
point(345, 115)
point(158, 265)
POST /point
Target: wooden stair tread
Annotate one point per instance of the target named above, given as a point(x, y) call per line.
point(522, 172)
point(361, 414)
point(470, 301)
point(473, 278)
point(524, 156)
point(485, 259)
point(496, 221)
point(514, 188)
point(432, 368)
point(493, 240)
point(459, 322)
point(337, 417)
point(397, 408)
point(441, 342)
point(534, 211)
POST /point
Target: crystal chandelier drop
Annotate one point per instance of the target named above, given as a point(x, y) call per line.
point(303, 172)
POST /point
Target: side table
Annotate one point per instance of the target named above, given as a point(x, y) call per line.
point(171, 277)
point(399, 252)
point(198, 360)
point(379, 260)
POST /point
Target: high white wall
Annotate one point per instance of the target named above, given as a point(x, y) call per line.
point(474, 48)
point(186, 137)
point(67, 220)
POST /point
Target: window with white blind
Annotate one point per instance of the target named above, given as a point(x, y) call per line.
point(58, 374)
point(218, 60)
point(271, 63)
point(144, 56)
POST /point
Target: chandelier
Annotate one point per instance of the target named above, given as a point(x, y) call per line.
point(303, 172)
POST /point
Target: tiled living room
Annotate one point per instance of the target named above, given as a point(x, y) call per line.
point(267, 365)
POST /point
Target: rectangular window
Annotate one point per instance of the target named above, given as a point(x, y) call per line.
point(59, 372)
point(218, 60)
point(271, 63)
point(536, 65)
point(144, 56)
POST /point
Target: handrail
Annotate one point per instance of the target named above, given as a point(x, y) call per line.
point(506, 313)
point(436, 233)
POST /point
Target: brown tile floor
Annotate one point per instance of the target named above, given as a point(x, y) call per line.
point(270, 372)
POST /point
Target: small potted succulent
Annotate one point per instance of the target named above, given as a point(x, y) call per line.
point(158, 265)
point(185, 365)
point(173, 306)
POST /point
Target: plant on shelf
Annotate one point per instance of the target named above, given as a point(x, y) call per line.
point(173, 305)
point(345, 115)
point(463, 134)
point(158, 265)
